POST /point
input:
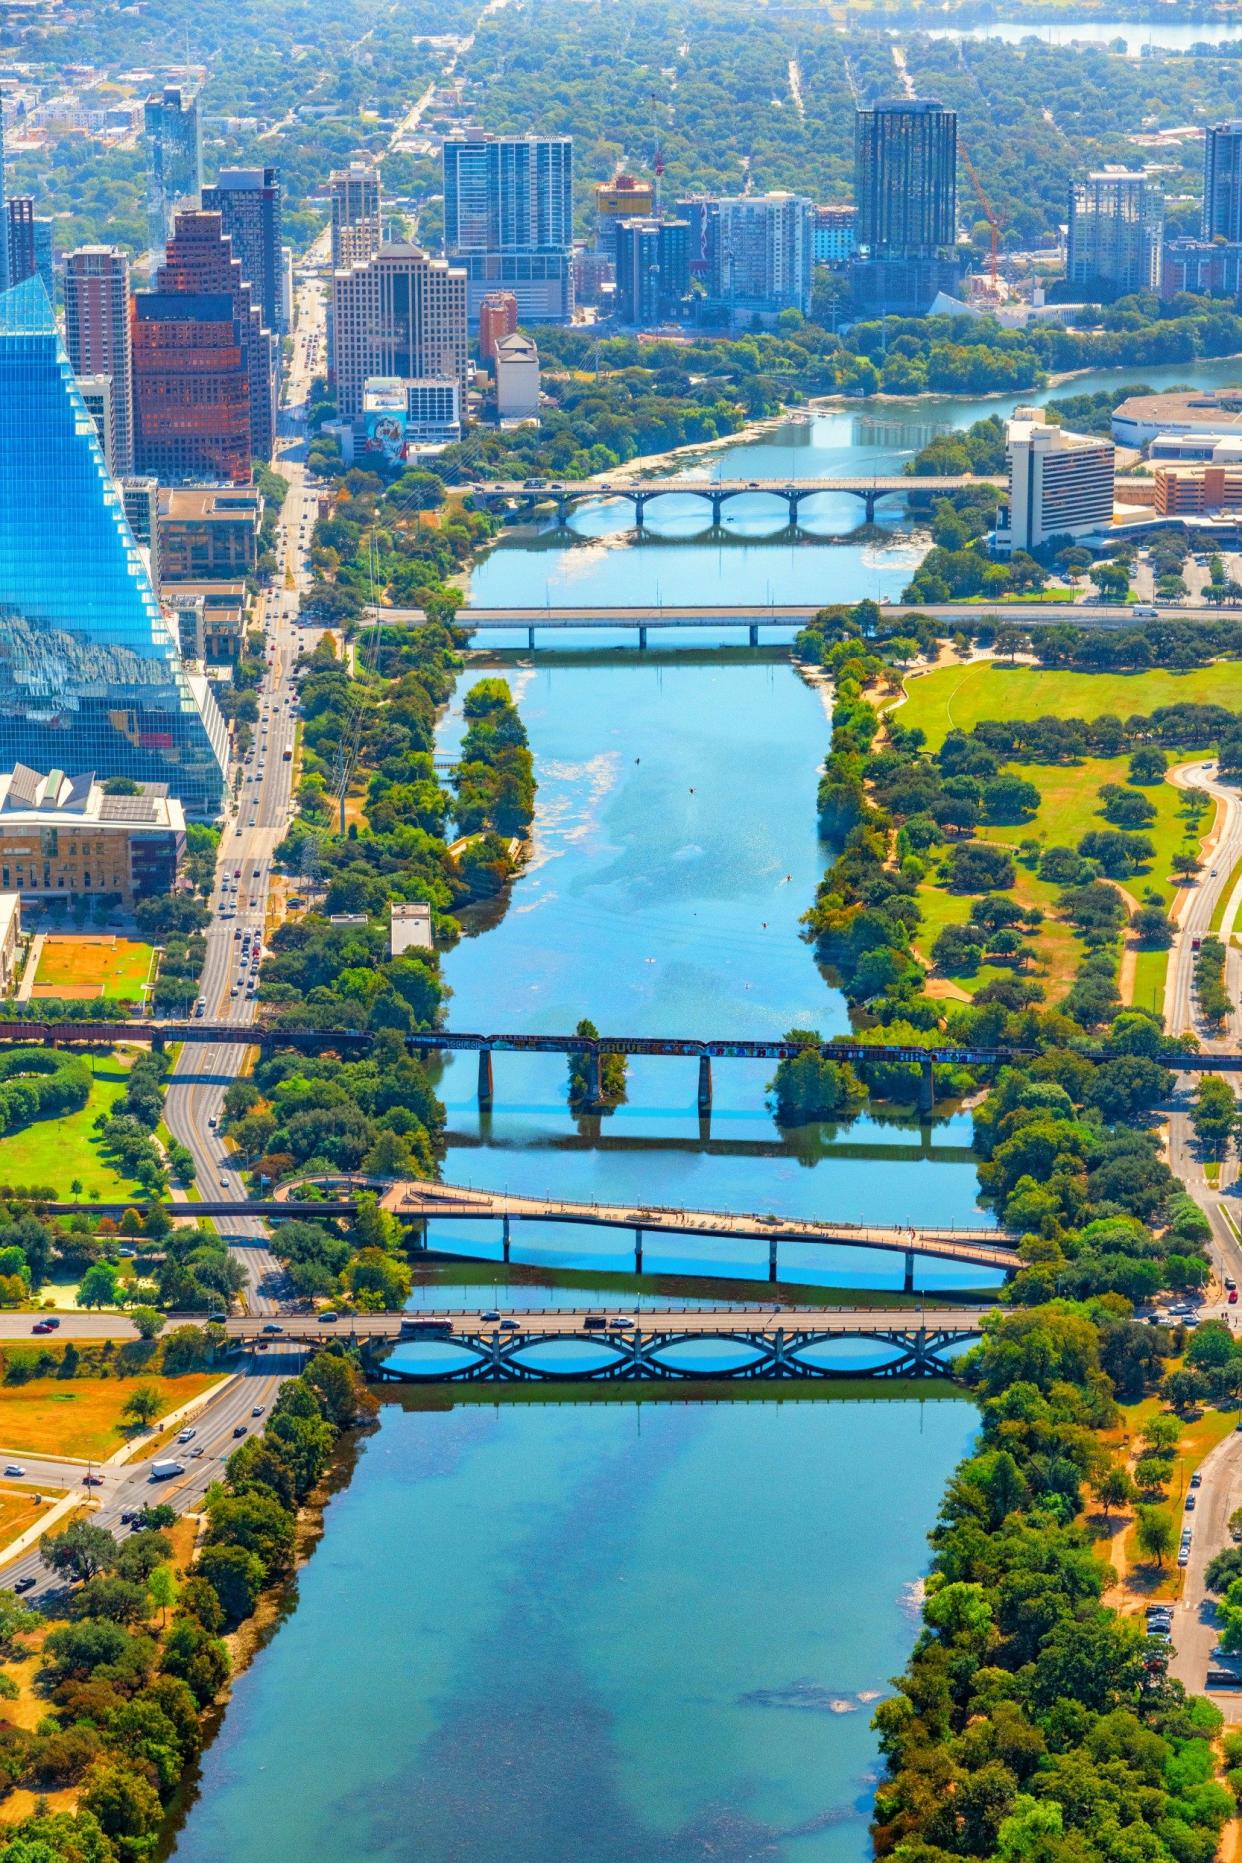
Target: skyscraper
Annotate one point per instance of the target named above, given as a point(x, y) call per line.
point(248, 203)
point(199, 260)
point(905, 178)
point(355, 196)
point(498, 316)
point(1222, 182)
point(174, 159)
point(400, 313)
point(90, 677)
point(1116, 230)
point(28, 239)
point(508, 220)
point(653, 273)
point(4, 218)
point(97, 334)
point(765, 252)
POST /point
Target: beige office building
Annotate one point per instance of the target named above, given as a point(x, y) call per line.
point(400, 313)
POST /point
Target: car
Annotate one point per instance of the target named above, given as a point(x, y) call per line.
point(197, 1452)
point(1230, 1284)
point(1190, 1503)
point(595, 1323)
point(240, 1430)
point(52, 1321)
point(224, 1183)
point(1191, 1320)
point(492, 1318)
point(272, 1327)
point(127, 1517)
point(237, 931)
point(1232, 1297)
point(621, 1324)
point(217, 1318)
point(212, 1123)
point(188, 1434)
point(25, 1584)
point(329, 1319)
point(41, 1326)
point(16, 1470)
point(510, 1326)
point(235, 991)
point(1183, 1560)
point(1196, 1480)
point(92, 1481)
point(257, 1411)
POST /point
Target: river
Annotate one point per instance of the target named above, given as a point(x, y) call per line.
point(597, 1632)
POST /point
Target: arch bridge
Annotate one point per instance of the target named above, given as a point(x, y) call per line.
point(639, 493)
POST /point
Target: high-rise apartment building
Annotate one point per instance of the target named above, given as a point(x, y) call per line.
point(402, 314)
point(174, 159)
point(90, 676)
point(835, 234)
point(354, 193)
point(766, 249)
point(1116, 229)
point(97, 335)
point(248, 203)
point(508, 219)
point(652, 261)
point(1222, 182)
point(199, 260)
point(498, 317)
point(625, 197)
point(905, 179)
point(28, 237)
point(1060, 483)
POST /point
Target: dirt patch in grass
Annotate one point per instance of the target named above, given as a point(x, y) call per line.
point(100, 964)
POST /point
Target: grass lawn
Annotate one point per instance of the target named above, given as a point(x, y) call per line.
point(56, 1151)
point(1150, 970)
point(1144, 1581)
point(81, 1417)
point(1059, 949)
point(959, 696)
point(102, 965)
point(1222, 904)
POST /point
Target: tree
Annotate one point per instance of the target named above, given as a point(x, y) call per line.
point(162, 1591)
point(1155, 1533)
point(1214, 1113)
point(126, 1804)
point(98, 1286)
point(143, 1404)
point(236, 1575)
point(149, 1321)
point(1114, 1488)
point(117, 1599)
point(80, 1551)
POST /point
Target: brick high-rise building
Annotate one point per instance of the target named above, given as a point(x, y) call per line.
point(200, 258)
point(98, 336)
point(400, 313)
point(498, 317)
point(201, 361)
point(248, 203)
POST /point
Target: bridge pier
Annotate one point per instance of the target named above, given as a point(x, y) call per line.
point(640, 508)
point(717, 499)
point(705, 1083)
point(793, 500)
point(753, 633)
point(593, 1094)
point(486, 1079)
point(638, 1251)
point(907, 1286)
point(927, 1090)
point(642, 635)
point(772, 1259)
point(562, 506)
point(530, 638)
point(869, 499)
point(506, 1243)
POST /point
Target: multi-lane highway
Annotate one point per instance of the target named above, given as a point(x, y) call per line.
point(256, 822)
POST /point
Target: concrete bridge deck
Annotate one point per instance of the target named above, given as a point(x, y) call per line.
point(669, 1345)
point(764, 617)
point(793, 493)
point(424, 1202)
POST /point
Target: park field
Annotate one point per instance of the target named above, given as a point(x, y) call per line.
point(81, 1417)
point(66, 1150)
point(959, 697)
point(80, 968)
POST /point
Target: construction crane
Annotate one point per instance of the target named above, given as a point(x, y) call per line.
point(989, 213)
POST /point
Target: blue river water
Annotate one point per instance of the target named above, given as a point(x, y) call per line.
point(630, 1631)
point(589, 1633)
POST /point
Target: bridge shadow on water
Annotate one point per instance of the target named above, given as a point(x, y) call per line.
point(807, 1144)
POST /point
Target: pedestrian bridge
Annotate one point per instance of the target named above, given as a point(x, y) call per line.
point(424, 1202)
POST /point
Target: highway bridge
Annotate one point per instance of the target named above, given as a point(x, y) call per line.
point(765, 617)
point(793, 493)
point(857, 1054)
point(738, 1344)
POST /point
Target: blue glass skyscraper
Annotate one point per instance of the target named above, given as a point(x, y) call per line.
point(91, 677)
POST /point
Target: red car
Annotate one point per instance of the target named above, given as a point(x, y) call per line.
point(1233, 1297)
point(42, 1326)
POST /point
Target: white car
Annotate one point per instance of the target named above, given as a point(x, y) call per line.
point(15, 1469)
